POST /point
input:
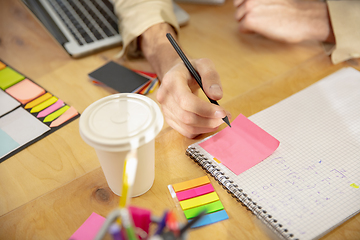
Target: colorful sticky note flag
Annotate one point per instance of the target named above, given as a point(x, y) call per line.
point(195, 192)
point(198, 201)
point(51, 117)
point(44, 104)
point(211, 218)
point(38, 100)
point(51, 109)
point(209, 208)
point(70, 113)
point(191, 183)
point(196, 196)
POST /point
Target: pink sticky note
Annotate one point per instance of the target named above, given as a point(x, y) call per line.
point(89, 228)
point(25, 91)
point(195, 192)
point(242, 146)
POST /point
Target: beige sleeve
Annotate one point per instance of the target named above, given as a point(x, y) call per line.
point(136, 16)
point(345, 20)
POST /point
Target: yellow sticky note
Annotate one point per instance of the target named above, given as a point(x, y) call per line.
point(191, 184)
point(198, 201)
point(51, 117)
point(44, 104)
point(37, 101)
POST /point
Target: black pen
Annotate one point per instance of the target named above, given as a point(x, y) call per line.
point(192, 70)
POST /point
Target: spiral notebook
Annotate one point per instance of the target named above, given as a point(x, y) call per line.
point(310, 184)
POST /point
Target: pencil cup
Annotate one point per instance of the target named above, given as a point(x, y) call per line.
point(116, 124)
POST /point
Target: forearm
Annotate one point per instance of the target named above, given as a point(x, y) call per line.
point(137, 16)
point(157, 48)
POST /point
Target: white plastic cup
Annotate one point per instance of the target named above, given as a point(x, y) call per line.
point(116, 124)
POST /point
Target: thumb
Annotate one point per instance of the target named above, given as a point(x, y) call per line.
point(210, 78)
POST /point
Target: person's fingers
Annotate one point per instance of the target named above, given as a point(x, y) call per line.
point(185, 129)
point(240, 12)
point(191, 103)
point(209, 77)
point(238, 2)
point(182, 108)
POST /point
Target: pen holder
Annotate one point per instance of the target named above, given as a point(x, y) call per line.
point(143, 225)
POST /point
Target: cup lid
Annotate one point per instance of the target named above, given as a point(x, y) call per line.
point(120, 122)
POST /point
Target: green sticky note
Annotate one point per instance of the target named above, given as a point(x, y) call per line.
point(51, 117)
point(211, 207)
point(9, 77)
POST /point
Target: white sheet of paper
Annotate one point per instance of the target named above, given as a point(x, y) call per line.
point(7, 103)
point(19, 126)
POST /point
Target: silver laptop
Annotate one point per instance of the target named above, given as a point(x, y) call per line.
point(83, 27)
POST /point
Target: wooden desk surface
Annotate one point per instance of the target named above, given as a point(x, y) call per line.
point(49, 189)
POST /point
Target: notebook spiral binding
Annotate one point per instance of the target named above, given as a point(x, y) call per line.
point(238, 193)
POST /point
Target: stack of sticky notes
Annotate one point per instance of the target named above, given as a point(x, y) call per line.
point(198, 195)
point(118, 78)
point(27, 112)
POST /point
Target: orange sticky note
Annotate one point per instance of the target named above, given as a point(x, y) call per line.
point(242, 146)
point(70, 113)
point(2, 65)
point(38, 100)
point(191, 183)
point(25, 91)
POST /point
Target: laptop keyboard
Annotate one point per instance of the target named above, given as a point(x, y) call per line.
point(87, 20)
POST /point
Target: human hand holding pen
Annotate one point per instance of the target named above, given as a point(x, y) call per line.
point(183, 109)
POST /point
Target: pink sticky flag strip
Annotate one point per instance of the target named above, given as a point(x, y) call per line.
point(242, 146)
point(51, 108)
point(183, 195)
point(89, 228)
point(70, 113)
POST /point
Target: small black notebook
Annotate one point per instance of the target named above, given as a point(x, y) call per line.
point(119, 78)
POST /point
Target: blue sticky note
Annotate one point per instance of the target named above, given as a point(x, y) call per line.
point(7, 143)
point(211, 218)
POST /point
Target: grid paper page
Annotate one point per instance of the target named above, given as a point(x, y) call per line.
point(311, 182)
